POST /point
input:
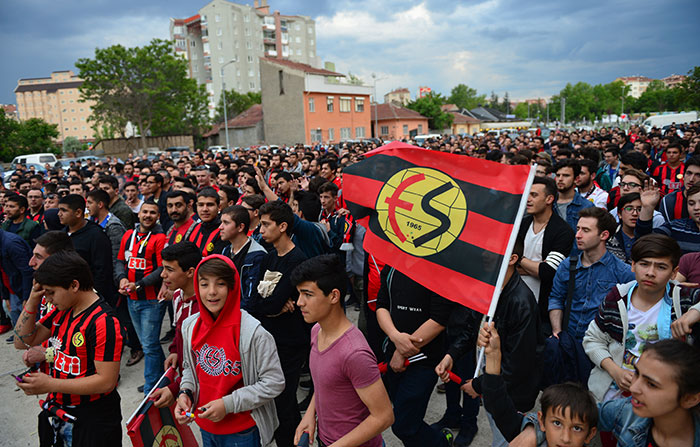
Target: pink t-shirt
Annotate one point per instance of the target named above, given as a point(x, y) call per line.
point(344, 366)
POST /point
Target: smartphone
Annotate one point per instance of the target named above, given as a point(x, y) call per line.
point(18, 377)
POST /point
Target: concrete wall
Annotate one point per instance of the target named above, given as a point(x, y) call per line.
point(120, 147)
point(240, 137)
point(283, 113)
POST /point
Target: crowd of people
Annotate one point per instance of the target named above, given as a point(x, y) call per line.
point(255, 259)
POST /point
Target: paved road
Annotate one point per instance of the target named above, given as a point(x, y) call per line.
point(18, 412)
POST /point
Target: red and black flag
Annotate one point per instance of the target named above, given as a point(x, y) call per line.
point(151, 426)
point(443, 219)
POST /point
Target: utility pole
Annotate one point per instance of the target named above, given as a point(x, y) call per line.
point(563, 111)
point(223, 89)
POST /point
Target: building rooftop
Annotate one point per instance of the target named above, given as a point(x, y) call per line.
point(634, 79)
point(302, 67)
point(399, 90)
point(48, 86)
point(393, 112)
point(463, 119)
point(247, 118)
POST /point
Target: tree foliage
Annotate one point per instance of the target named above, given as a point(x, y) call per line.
point(465, 97)
point(689, 90)
point(72, 144)
point(236, 103)
point(429, 107)
point(26, 137)
point(146, 86)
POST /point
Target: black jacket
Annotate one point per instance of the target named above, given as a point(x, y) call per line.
point(557, 242)
point(92, 243)
point(522, 341)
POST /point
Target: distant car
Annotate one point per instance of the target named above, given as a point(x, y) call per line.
point(41, 159)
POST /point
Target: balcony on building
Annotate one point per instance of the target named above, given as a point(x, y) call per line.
point(271, 53)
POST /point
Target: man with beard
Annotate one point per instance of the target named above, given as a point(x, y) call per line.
point(569, 202)
point(586, 185)
point(178, 206)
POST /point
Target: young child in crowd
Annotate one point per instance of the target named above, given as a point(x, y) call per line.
point(231, 371)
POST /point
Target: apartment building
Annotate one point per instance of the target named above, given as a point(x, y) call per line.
point(55, 100)
point(674, 80)
point(400, 96)
point(638, 84)
point(224, 41)
point(305, 104)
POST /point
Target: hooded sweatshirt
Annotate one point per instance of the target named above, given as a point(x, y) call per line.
point(215, 343)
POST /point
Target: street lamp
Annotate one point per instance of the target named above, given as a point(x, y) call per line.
point(376, 104)
point(223, 88)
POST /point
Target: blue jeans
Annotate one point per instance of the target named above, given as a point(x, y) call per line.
point(147, 317)
point(498, 440)
point(13, 308)
point(410, 393)
point(246, 438)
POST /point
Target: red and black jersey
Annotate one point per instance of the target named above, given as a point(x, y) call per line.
point(668, 178)
point(141, 254)
point(206, 236)
point(177, 234)
point(94, 335)
point(38, 217)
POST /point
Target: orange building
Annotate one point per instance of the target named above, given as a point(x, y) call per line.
point(312, 105)
point(393, 122)
point(56, 100)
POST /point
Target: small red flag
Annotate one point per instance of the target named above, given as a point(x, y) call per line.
point(443, 219)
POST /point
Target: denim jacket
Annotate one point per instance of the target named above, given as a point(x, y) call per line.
point(577, 204)
point(592, 285)
point(629, 429)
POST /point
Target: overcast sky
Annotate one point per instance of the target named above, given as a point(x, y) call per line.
point(530, 49)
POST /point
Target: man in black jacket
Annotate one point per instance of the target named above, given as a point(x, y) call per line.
point(547, 240)
point(518, 324)
point(91, 242)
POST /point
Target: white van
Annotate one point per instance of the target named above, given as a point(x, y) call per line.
point(661, 121)
point(40, 159)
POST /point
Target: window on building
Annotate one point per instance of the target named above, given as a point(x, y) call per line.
point(246, 18)
point(359, 132)
point(331, 134)
point(217, 18)
point(195, 68)
point(247, 31)
point(251, 73)
point(236, 44)
point(219, 32)
point(193, 43)
point(359, 104)
point(221, 72)
point(405, 129)
point(312, 105)
point(316, 135)
point(420, 129)
point(311, 42)
point(220, 45)
point(384, 130)
point(312, 54)
point(248, 45)
point(311, 30)
point(221, 59)
point(251, 85)
point(345, 104)
point(297, 39)
point(297, 27)
point(329, 103)
point(298, 52)
point(238, 73)
point(345, 133)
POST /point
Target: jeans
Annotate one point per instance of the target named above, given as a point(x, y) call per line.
point(246, 438)
point(15, 308)
point(147, 317)
point(132, 338)
point(498, 439)
point(410, 393)
point(291, 360)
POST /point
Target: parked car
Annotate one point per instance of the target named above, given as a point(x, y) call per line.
point(40, 159)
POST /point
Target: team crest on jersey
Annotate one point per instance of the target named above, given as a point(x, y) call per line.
point(78, 339)
point(210, 247)
point(178, 238)
point(213, 362)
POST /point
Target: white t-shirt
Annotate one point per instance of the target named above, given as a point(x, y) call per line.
point(642, 329)
point(533, 252)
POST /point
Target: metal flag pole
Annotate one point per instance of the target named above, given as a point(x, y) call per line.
point(506, 259)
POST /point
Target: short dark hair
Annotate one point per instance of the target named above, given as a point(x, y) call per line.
point(573, 396)
point(110, 180)
point(254, 201)
point(693, 190)
point(327, 271)
point(604, 220)
point(550, 187)
point(640, 175)
point(332, 163)
point(693, 161)
point(635, 159)
point(54, 241)
point(591, 165)
point(150, 202)
point(626, 199)
point(230, 192)
point(131, 183)
point(156, 177)
point(219, 268)
point(279, 213)
point(209, 192)
point(285, 175)
point(74, 202)
point(656, 246)
point(309, 204)
point(568, 163)
point(239, 214)
point(612, 148)
point(185, 253)
point(684, 360)
point(19, 199)
point(329, 187)
point(178, 193)
point(62, 268)
point(99, 195)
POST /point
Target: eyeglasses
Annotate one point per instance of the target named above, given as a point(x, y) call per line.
point(630, 185)
point(633, 209)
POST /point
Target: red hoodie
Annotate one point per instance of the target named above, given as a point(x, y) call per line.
point(218, 358)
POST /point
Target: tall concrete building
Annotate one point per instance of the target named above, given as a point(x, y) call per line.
point(224, 41)
point(55, 100)
point(638, 84)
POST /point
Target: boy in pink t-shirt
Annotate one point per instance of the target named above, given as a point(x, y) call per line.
point(342, 365)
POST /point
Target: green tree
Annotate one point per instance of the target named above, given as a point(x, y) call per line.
point(520, 111)
point(26, 137)
point(147, 86)
point(689, 90)
point(656, 98)
point(72, 144)
point(465, 97)
point(429, 107)
point(235, 103)
point(493, 100)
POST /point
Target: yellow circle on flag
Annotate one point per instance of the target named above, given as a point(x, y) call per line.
point(421, 210)
point(178, 238)
point(78, 339)
point(210, 247)
point(167, 436)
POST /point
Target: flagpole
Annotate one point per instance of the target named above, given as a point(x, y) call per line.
point(148, 396)
point(506, 258)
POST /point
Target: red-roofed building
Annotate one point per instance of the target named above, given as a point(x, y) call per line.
point(10, 111)
point(245, 129)
point(305, 104)
point(393, 122)
point(464, 124)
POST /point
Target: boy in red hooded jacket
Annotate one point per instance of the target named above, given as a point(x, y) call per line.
point(231, 370)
